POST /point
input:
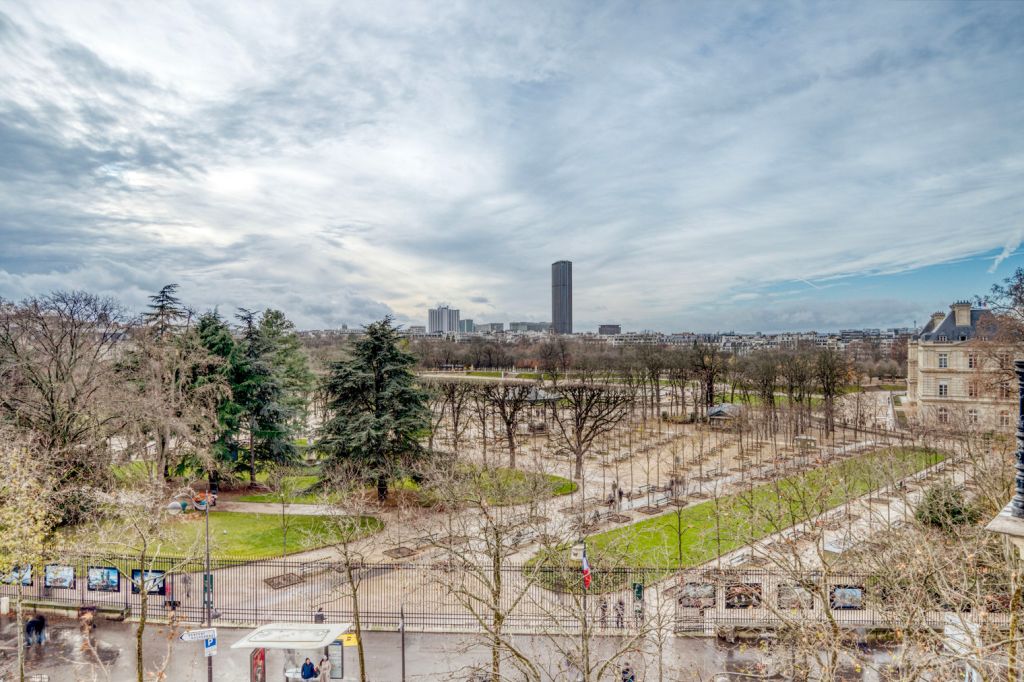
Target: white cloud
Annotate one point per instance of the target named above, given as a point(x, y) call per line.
point(381, 156)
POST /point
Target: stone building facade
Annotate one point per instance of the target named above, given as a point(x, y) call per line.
point(958, 373)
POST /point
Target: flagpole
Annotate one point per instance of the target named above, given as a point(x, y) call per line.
point(586, 562)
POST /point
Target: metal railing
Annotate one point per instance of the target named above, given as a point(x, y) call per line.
point(446, 595)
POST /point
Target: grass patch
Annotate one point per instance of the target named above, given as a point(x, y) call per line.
point(893, 387)
point(780, 400)
point(300, 484)
point(709, 530)
point(242, 536)
point(510, 479)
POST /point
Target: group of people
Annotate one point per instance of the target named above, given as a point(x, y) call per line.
point(320, 672)
point(615, 497)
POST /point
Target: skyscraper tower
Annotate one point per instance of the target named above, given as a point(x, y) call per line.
point(561, 297)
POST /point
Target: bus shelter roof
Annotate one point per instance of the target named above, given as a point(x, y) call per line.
point(292, 636)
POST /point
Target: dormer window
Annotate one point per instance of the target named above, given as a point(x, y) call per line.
point(942, 338)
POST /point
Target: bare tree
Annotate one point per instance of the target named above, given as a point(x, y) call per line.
point(136, 523)
point(26, 522)
point(832, 372)
point(588, 410)
point(509, 401)
point(173, 396)
point(348, 509)
point(56, 366)
point(485, 526)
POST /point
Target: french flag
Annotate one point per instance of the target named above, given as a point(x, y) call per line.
point(586, 570)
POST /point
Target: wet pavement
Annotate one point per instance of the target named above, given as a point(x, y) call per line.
point(429, 656)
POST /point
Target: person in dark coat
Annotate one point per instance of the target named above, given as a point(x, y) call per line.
point(35, 630)
point(308, 670)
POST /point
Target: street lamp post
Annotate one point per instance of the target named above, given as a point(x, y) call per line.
point(208, 583)
point(1017, 503)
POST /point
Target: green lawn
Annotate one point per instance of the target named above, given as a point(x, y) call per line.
point(510, 477)
point(654, 541)
point(816, 401)
point(297, 484)
point(245, 536)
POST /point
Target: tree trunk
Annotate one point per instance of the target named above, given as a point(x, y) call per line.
point(141, 627)
point(497, 619)
point(20, 627)
point(511, 446)
point(252, 453)
point(579, 465)
point(356, 619)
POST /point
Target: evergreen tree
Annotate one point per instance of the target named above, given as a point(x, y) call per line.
point(374, 409)
point(289, 363)
point(261, 395)
point(165, 309)
point(216, 337)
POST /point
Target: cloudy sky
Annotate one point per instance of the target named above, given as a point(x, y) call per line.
point(704, 165)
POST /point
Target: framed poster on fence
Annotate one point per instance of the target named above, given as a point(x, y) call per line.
point(847, 597)
point(59, 576)
point(103, 579)
point(22, 573)
point(697, 596)
point(155, 583)
point(743, 596)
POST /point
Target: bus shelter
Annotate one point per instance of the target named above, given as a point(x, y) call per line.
point(296, 641)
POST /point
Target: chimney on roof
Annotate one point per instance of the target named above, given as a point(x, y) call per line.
point(961, 313)
point(936, 320)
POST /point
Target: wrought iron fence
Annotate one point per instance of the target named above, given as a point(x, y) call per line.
point(448, 596)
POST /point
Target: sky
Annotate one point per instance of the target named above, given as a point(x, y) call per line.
point(706, 166)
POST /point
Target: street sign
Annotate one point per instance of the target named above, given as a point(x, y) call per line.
point(210, 646)
point(350, 639)
point(198, 635)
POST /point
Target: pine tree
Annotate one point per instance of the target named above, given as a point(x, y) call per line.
point(165, 309)
point(216, 337)
point(260, 393)
point(289, 363)
point(375, 412)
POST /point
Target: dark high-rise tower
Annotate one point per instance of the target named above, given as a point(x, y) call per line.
point(561, 297)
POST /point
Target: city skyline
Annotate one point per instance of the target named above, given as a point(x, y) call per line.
point(706, 167)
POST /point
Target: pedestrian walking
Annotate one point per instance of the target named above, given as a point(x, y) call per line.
point(325, 669)
point(35, 630)
point(621, 495)
point(186, 582)
point(628, 675)
point(620, 614)
point(602, 608)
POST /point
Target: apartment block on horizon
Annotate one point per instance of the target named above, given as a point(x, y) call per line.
point(442, 320)
point(959, 373)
